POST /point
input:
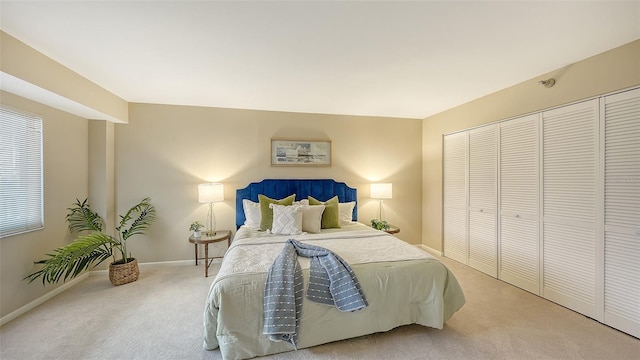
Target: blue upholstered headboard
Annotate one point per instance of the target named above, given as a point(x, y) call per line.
point(321, 189)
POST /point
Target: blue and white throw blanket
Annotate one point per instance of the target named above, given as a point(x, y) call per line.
point(331, 282)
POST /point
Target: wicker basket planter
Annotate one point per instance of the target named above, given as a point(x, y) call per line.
point(121, 274)
point(93, 246)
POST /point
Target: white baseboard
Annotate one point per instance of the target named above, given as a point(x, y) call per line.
point(35, 303)
point(431, 251)
point(150, 265)
point(5, 319)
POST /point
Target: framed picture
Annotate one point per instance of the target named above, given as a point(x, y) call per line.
point(300, 152)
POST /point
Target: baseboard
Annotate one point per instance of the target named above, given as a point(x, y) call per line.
point(150, 265)
point(431, 251)
point(35, 303)
point(67, 285)
point(176, 263)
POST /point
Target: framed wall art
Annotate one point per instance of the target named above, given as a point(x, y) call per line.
point(285, 152)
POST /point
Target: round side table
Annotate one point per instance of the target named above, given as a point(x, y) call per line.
point(392, 229)
point(206, 239)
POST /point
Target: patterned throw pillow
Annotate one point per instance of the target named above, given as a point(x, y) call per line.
point(287, 220)
point(265, 211)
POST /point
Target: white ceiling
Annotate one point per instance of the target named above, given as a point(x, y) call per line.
point(396, 59)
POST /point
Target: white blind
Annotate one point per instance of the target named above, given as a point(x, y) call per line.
point(20, 172)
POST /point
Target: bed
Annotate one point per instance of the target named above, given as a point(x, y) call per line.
point(402, 284)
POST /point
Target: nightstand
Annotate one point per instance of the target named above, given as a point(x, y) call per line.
point(206, 239)
point(392, 229)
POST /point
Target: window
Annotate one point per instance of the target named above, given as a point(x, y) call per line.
point(20, 172)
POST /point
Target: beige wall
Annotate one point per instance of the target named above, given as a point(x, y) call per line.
point(102, 171)
point(36, 76)
point(165, 151)
point(65, 179)
point(613, 70)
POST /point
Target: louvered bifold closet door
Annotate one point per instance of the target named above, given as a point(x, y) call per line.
point(455, 196)
point(569, 196)
point(519, 184)
point(622, 211)
point(483, 174)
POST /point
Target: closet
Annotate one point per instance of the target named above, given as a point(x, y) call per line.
point(483, 155)
point(569, 196)
point(455, 200)
point(620, 141)
point(550, 202)
point(519, 183)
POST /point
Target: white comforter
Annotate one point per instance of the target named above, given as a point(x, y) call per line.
point(402, 283)
point(356, 244)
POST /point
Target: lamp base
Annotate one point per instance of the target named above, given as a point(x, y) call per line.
point(380, 211)
point(211, 229)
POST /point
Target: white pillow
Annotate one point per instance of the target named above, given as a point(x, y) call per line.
point(301, 202)
point(287, 220)
point(345, 211)
point(312, 218)
point(252, 214)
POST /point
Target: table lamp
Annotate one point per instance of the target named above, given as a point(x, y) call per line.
point(211, 193)
point(381, 191)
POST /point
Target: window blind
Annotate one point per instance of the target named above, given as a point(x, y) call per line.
point(21, 204)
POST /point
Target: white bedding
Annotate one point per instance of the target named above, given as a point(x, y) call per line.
point(402, 283)
point(255, 250)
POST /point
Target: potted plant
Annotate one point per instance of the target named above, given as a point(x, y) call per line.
point(379, 224)
point(195, 227)
point(93, 248)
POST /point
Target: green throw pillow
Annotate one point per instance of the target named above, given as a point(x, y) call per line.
point(331, 214)
point(267, 213)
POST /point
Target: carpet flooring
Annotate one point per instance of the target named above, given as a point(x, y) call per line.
point(160, 317)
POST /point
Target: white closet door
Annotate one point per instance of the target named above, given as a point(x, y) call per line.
point(455, 196)
point(483, 172)
point(519, 183)
point(622, 211)
point(569, 195)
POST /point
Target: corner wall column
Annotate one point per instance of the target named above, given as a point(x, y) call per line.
point(102, 171)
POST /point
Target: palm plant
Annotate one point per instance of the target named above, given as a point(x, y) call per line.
point(90, 250)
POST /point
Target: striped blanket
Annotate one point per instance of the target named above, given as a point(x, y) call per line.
point(331, 282)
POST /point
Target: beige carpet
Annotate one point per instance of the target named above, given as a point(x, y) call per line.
point(160, 317)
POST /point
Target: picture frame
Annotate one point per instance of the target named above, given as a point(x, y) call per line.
point(290, 152)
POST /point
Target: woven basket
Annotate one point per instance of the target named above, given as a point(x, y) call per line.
point(121, 274)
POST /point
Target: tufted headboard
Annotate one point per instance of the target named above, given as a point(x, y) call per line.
point(321, 189)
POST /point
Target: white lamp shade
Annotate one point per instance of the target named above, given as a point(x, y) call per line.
point(381, 191)
point(210, 192)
